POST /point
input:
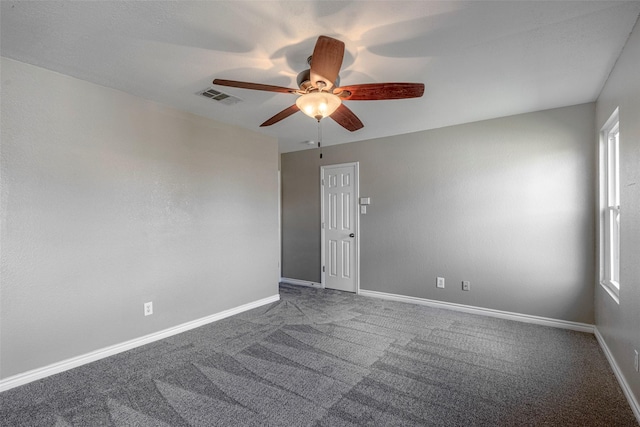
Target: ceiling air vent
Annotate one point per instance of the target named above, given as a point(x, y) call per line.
point(221, 97)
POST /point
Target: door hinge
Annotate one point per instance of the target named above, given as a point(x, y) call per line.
point(323, 225)
point(322, 181)
point(323, 268)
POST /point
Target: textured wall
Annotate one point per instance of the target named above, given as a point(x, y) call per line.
point(620, 324)
point(504, 203)
point(110, 201)
point(300, 217)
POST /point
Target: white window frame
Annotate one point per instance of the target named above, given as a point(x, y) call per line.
point(609, 209)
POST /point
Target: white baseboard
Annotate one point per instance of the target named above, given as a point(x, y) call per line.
point(65, 365)
point(633, 402)
point(298, 282)
point(526, 318)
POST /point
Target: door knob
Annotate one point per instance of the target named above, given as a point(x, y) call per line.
point(352, 235)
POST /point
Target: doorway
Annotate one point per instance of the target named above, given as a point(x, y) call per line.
point(340, 227)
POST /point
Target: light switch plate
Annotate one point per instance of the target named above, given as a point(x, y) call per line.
point(363, 209)
point(365, 200)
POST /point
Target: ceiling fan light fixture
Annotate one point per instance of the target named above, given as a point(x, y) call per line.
point(318, 105)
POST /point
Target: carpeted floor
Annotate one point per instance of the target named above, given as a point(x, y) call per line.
point(327, 358)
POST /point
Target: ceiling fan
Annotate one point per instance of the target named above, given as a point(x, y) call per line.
point(320, 94)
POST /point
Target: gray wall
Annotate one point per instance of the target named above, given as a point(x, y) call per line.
point(506, 204)
point(110, 201)
point(619, 325)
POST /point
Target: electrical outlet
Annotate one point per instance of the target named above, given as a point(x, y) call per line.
point(148, 308)
point(466, 285)
point(635, 360)
point(440, 282)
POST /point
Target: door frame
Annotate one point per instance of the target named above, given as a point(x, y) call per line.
point(356, 210)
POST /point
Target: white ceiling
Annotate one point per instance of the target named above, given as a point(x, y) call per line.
point(478, 59)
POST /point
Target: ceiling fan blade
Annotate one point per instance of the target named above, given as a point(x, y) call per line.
point(326, 61)
point(345, 118)
point(281, 115)
point(254, 86)
point(380, 91)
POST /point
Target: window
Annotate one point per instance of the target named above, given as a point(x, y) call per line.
point(610, 206)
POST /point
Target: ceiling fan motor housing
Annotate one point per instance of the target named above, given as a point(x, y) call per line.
point(304, 80)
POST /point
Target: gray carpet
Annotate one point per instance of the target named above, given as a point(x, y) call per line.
point(327, 358)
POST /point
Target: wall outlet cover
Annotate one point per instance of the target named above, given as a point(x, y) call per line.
point(148, 308)
point(466, 285)
point(440, 282)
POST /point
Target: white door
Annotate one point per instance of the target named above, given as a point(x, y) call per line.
point(340, 226)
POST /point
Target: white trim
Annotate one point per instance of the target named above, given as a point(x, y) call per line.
point(74, 362)
point(356, 166)
point(298, 282)
point(526, 318)
point(633, 402)
point(611, 290)
point(279, 222)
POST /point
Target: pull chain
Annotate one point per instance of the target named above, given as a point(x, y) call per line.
point(320, 138)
